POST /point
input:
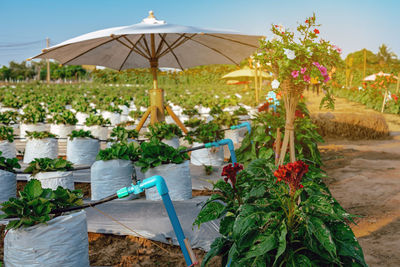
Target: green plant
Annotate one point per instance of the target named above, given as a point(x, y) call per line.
point(6, 133)
point(155, 153)
point(40, 135)
point(9, 117)
point(205, 133)
point(93, 120)
point(65, 117)
point(48, 165)
point(193, 122)
point(8, 164)
point(163, 130)
point(124, 151)
point(33, 114)
point(80, 134)
point(112, 108)
point(226, 119)
point(285, 217)
point(136, 114)
point(208, 169)
point(191, 112)
point(216, 110)
point(241, 112)
point(34, 204)
point(121, 134)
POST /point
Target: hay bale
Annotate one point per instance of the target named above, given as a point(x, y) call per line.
point(351, 125)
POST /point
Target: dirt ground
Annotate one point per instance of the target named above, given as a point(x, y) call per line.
point(364, 176)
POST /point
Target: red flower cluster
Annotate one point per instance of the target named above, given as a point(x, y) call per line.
point(291, 174)
point(395, 97)
point(230, 173)
point(316, 31)
point(264, 107)
point(299, 114)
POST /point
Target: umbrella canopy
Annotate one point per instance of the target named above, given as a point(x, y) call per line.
point(246, 72)
point(153, 43)
point(373, 76)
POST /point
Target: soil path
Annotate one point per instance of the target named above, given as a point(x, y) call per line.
point(364, 176)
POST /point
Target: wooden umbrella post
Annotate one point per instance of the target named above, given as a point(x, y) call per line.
point(398, 83)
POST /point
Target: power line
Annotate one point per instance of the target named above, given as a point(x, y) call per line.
point(12, 45)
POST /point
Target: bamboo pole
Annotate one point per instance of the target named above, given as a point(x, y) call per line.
point(384, 101)
point(398, 83)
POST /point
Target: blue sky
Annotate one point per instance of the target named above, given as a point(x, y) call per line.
point(350, 24)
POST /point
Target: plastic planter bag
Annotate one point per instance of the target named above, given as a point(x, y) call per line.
point(55, 179)
point(114, 117)
point(107, 177)
point(8, 149)
point(8, 185)
point(177, 178)
point(233, 135)
point(139, 174)
point(81, 117)
point(62, 241)
point(40, 127)
point(61, 130)
point(174, 142)
point(97, 131)
point(82, 151)
point(40, 148)
point(207, 156)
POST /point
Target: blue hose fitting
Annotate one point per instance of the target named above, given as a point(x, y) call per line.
point(244, 124)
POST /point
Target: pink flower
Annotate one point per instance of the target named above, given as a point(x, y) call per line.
point(316, 64)
point(295, 73)
point(339, 50)
point(303, 70)
point(306, 78)
point(323, 71)
point(327, 78)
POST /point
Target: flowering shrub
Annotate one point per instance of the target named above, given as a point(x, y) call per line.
point(264, 223)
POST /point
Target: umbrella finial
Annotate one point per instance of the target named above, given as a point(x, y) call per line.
point(151, 15)
point(151, 19)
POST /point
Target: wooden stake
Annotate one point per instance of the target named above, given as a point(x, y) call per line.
point(176, 119)
point(398, 83)
point(384, 101)
point(278, 144)
point(48, 62)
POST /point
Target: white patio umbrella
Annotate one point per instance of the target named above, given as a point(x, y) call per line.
point(373, 76)
point(154, 43)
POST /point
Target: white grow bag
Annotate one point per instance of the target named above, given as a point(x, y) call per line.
point(82, 151)
point(40, 127)
point(207, 156)
point(81, 117)
point(233, 135)
point(55, 179)
point(8, 185)
point(114, 117)
point(61, 130)
point(178, 180)
point(40, 148)
point(174, 142)
point(62, 241)
point(8, 149)
point(107, 177)
point(97, 131)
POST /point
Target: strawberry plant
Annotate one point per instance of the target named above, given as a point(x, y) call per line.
point(48, 165)
point(9, 117)
point(205, 133)
point(226, 119)
point(241, 112)
point(65, 117)
point(33, 114)
point(98, 120)
point(6, 133)
point(40, 135)
point(193, 122)
point(7, 164)
point(155, 153)
point(191, 112)
point(34, 204)
point(80, 134)
point(121, 134)
point(163, 130)
point(283, 217)
point(124, 151)
point(136, 114)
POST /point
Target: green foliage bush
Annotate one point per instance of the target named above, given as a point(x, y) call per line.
point(48, 165)
point(39, 135)
point(163, 130)
point(6, 133)
point(7, 164)
point(80, 134)
point(124, 151)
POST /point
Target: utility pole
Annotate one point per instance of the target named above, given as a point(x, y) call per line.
point(48, 62)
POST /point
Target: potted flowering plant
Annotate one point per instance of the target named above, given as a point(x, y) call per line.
point(294, 62)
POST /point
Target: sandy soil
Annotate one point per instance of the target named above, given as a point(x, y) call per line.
point(364, 176)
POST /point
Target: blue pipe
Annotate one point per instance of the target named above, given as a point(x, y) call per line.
point(224, 142)
point(162, 189)
point(244, 124)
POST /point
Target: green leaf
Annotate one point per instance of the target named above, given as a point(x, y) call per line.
point(282, 241)
point(211, 211)
point(263, 245)
point(34, 188)
point(317, 227)
point(217, 248)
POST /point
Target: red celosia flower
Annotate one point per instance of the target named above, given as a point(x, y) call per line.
point(291, 174)
point(306, 20)
point(395, 97)
point(298, 114)
point(264, 107)
point(316, 31)
point(230, 173)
